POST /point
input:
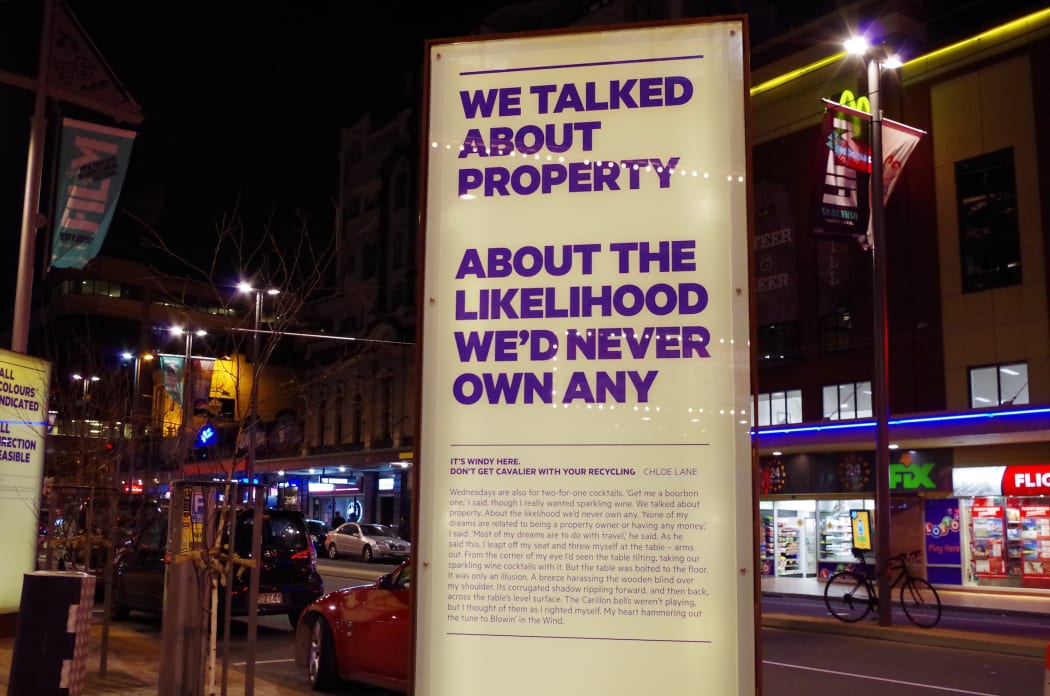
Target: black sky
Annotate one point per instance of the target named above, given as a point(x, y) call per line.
point(243, 102)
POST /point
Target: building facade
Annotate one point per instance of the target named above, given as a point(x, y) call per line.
point(967, 335)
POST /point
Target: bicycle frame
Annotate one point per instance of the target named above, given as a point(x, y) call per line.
point(851, 593)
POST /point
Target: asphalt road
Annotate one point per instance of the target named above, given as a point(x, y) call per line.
point(800, 663)
point(793, 662)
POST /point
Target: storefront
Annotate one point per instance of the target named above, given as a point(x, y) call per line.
point(1005, 525)
point(808, 503)
point(375, 496)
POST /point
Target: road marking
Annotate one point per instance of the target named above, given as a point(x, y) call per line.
point(265, 662)
point(854, 675)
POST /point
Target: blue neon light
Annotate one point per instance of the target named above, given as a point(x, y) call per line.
point(206, 436)
point(969, 416)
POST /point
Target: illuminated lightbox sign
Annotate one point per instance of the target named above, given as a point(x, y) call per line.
point(333, 486)
point(1026, 480)
point(584, 474)
point(23, 428)
point(1014, 480)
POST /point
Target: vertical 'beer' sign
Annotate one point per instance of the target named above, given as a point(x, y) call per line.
point(585, 474)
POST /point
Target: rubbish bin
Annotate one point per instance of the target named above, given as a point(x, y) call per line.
point(54, 623)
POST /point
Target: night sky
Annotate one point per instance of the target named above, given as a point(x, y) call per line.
point(243, 104)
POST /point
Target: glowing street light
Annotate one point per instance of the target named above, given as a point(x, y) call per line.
point(247, 288)
point(86, 381)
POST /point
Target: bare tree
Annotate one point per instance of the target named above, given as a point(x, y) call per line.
point(290, 262)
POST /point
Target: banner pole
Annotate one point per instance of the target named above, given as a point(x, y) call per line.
point(31, 201)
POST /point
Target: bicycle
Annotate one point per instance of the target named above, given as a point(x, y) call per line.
point(850, 595)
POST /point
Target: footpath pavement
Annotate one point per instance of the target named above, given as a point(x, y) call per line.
point(133, 658)
point(132, 666)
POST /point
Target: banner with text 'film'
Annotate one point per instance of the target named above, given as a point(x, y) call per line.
point(584, 476)
point(93, 161)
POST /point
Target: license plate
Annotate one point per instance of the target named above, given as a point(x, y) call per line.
point(270, 598)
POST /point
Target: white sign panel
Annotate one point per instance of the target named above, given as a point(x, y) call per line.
point(585, 479)
point(23, 428)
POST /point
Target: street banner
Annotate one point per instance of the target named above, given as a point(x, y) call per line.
point(171, 369)
point(24, 388)
point(93, 160)
point(585, 474)
point(200, 395)
point(846, 133)
point(77, 72)
point(845, 153)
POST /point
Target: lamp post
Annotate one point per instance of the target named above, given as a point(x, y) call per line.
point(186, 385)
point(880, 376)
point(86, 381)
point(133, 411)
point(254, 396)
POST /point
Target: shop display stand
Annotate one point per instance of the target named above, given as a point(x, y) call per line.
point(787, 548)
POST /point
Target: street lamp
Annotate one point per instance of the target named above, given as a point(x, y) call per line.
point(254, 397)
point(86, 381)
point(186, 373)
point(880, 378)
point(133, 416)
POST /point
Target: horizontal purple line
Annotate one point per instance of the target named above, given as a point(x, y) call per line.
point(580, 444)
point(533, 68)
point(629, 640)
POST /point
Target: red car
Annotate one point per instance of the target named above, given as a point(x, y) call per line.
point(361, 634)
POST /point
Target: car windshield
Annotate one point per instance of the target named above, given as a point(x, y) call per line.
point(377, 530)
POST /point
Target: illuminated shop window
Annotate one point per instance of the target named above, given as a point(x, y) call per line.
point(845, 401)
point(778, 408)
point(999, 385)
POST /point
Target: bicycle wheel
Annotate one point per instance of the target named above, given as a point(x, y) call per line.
point(849, 596)
point(921, 604)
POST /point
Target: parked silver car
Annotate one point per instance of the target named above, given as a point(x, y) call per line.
point(366, 541)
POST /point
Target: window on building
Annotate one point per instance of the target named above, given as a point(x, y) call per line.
point(778, 408)
point(369, 261)
point(836, 330)
point(989, 240)
point(357, 415)
point(845, 401)
point(777, 342)
point(337, 422)
point(320, 423)
point(400, 190)
point(386, 408)
point(999, 385)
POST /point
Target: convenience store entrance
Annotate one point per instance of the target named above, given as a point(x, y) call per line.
point(807, 538)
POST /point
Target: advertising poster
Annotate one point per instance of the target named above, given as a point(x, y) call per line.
point(986, 538)
point(1034, 537)
point(943, 541)
point(23, 426)
point(585, 476)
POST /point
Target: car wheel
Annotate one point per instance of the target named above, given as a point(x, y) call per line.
point(320, 664)
point(118, 607)
point(366, 554)
point(332, 553)
point(293, 617)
